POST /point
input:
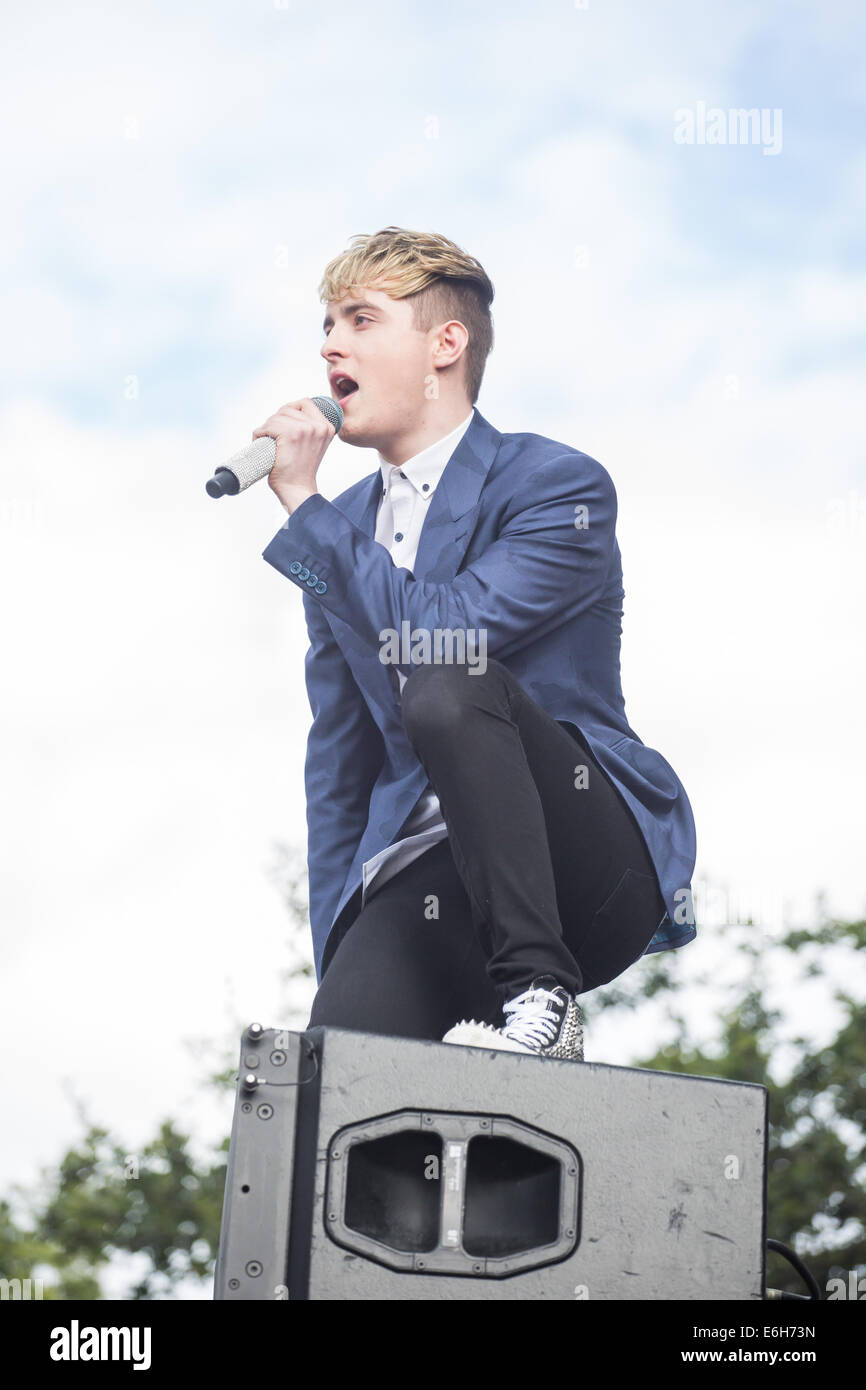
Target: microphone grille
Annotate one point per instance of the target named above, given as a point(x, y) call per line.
point(331, 411)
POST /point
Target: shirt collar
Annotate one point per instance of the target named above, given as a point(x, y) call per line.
point(425, 469)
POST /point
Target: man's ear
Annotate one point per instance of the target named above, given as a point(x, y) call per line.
point(450, 343)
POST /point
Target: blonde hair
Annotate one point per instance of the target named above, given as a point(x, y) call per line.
point(441, 279)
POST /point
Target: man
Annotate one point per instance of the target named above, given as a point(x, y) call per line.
point(487, 835)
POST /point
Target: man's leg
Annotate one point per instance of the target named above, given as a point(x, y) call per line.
point(410, 964)
point(552, 860)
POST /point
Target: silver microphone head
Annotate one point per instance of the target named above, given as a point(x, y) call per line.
point(331, 411)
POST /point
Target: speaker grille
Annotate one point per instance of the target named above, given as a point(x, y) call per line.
point(389, 1194)
point(440, 1193)
point(512, 1198)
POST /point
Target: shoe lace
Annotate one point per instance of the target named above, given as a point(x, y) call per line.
point(535, 1022)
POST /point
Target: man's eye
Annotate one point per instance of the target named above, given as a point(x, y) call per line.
point(359, 318)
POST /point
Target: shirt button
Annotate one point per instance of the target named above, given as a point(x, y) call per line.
point(402, 475)
point(425, 486)
point(399, 536)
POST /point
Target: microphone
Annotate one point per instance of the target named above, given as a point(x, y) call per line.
point(257, 459)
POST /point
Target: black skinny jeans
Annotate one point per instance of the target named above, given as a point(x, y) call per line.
point(544, 871)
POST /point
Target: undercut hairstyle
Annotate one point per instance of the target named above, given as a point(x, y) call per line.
point(440, 279)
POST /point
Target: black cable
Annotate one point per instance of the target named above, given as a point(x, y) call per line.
point(805, 1274)
point(309, 1053)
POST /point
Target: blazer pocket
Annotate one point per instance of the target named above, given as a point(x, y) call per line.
point(621, 929)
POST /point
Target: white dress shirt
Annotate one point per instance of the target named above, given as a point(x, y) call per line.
point(408, 488)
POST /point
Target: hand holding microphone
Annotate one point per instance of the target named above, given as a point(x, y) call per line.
point(287, 449)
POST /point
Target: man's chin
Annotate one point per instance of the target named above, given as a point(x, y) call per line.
point(357, 433)
point(349, 433)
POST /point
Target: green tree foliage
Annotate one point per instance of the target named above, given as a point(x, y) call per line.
point(163, 1204)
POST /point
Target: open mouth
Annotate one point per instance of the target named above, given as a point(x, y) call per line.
point(344, 386)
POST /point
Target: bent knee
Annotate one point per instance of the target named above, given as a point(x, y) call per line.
point(437, 695)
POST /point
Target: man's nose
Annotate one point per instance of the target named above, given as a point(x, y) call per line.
point(331, 347)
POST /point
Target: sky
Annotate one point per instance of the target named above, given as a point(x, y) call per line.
point(690, 313)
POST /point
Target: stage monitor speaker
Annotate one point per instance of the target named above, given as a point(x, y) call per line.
point(368, 1167)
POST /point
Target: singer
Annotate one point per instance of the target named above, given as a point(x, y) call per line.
point(486, 841)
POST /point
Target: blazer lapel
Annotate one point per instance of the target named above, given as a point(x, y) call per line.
point(453, 509)
point(455, 504)
point(362, 508)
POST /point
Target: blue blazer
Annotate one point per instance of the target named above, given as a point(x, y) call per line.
point(519, 539)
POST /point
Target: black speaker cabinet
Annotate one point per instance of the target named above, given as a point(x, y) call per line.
point(367, 1167)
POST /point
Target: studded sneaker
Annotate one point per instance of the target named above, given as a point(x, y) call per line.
point(545, 1020)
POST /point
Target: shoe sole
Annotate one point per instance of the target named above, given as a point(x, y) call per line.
point(474, 1034)
point(483, 1035)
